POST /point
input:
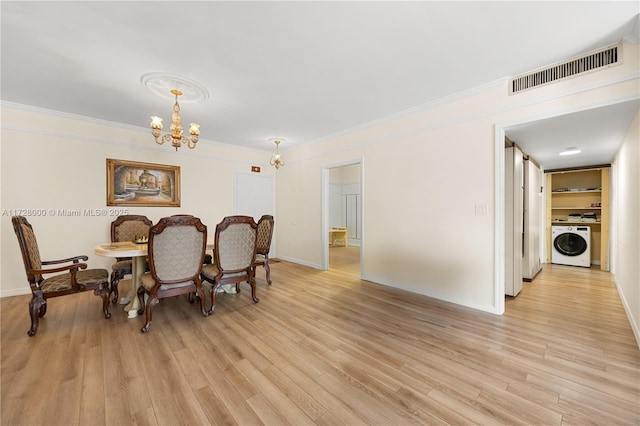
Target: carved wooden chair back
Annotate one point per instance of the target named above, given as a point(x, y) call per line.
point(176, 251)
point(263, 244)
point(126, 228)
point(234, 255)
point(77, 278)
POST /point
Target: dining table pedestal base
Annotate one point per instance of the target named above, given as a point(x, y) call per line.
point(138, 254)
point(133, 304)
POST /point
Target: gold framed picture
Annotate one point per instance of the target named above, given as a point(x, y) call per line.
point(131, 183)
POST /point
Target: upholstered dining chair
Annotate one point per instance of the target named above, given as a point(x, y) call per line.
point(263, 244)
point(76, 279)
point(234, 254)
point(125, 228)
point(176, 251)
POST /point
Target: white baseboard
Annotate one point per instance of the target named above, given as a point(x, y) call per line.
point(14, 292)
point(632, 322)
point(300, 262)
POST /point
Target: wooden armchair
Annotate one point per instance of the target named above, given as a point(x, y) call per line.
point(78, 278)
point(234, 254)
point(263, 244)
point(176, 252)
point(125, 228)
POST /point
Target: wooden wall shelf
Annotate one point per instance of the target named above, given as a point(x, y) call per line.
point(562, 203)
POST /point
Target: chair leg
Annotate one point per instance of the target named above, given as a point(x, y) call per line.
point(268, 271)
point(252, 283)
point(200, 293)
point(214, 292)
point(141, 300)
point(151, 302)
point(115, 280)
point(35, 311)
point(104, 293)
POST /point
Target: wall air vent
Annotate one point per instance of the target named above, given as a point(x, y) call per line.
point(596, 60)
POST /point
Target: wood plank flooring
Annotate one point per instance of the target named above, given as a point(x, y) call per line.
point(325, 348)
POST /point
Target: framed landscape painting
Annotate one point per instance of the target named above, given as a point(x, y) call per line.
point(131, 183)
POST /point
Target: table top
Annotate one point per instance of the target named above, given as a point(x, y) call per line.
point(121, 249)
point(127, 249)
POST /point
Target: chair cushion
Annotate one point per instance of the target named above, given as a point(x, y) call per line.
point(148, 283)
point(122, 266)
point(89, 278)
point(210, 272)
point(260, 258)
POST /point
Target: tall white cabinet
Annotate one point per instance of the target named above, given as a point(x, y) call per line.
point(514, 214)
point(532, 220)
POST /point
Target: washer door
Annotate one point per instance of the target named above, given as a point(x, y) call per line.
point(570, 244)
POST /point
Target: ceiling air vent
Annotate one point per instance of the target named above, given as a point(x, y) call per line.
point(601, 58)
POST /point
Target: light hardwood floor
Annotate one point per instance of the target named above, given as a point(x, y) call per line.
point(327, 348)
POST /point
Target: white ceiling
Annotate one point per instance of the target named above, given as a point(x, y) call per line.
point(298, 70)
point(597, 133)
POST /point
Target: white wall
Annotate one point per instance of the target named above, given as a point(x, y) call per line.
point(346, 174)
point(51, 162)
point(626, 212)
point(425, 172)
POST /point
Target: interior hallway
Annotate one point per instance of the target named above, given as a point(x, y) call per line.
point(345, 259)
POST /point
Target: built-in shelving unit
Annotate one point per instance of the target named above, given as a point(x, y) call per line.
point(572, 197)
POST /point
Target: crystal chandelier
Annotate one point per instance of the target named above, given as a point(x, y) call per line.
point(276, 159)
point(175, 136)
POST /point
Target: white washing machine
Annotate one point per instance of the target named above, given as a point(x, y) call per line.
point(570, 245)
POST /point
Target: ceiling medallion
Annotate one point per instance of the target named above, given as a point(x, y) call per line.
point(162, 85)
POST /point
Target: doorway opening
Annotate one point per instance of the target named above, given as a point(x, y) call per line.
point(342, 217)
point(549, 128)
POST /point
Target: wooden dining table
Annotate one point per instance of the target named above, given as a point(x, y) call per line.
point(138, 253)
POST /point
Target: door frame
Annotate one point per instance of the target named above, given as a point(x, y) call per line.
point(499, 203)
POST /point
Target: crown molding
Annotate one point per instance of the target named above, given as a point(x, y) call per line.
point(97, 121)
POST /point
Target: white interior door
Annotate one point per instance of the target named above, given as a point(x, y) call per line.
point(255, 197)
